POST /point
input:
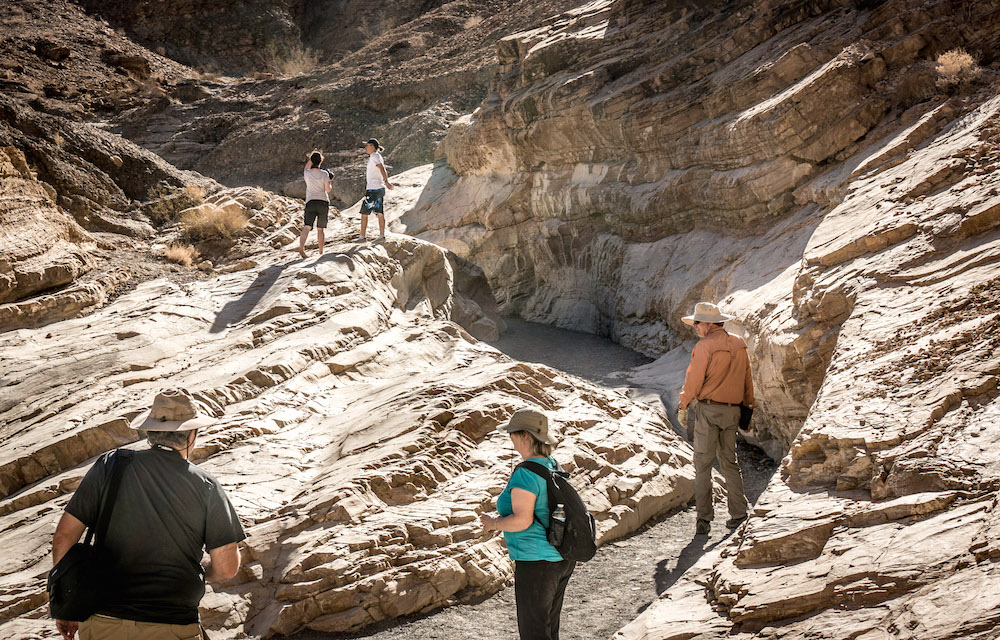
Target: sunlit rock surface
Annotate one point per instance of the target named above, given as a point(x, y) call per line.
point(357, 439)
point(797, 163)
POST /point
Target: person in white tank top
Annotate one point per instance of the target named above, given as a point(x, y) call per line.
point(317, 201)
point(376, 182)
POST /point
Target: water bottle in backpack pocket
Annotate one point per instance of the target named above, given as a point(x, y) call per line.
point(557, 526)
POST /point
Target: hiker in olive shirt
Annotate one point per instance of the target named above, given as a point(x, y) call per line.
point(167, 512)
point(719, 380)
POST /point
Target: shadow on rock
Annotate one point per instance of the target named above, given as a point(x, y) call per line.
point(237, 310)
point(665, 577)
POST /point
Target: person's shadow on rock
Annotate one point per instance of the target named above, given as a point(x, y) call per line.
point(665, 577)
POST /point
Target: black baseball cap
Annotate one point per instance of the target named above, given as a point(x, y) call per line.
point(373, 142)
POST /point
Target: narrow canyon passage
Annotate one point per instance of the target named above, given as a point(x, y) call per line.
point(626, 575)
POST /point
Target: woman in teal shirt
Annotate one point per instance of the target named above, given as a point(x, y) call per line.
point(540, 573)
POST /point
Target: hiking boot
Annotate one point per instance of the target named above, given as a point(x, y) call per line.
point(703, 527)
point(734, 523)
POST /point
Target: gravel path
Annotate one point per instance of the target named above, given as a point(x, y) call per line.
point(625, 576)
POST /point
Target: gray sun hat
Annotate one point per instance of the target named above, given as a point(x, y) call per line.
point(172, 410)
point(706, 312)
point(533, 421)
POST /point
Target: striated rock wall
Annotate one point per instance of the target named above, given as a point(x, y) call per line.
point(41, 246)
point(75, 200)
point(800, 163)
point(357, 437)
point(634, 159)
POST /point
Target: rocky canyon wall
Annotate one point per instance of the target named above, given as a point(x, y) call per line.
point(806, 165)
point(357, 438)
point(636, 158)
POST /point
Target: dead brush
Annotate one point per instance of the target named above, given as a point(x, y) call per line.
point(182, 254)
point(166, 202)
point(289, 61)
point(956, 68)
point(212, 223)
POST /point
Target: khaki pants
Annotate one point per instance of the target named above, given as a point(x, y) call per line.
point(715, 436)
point(98, 627)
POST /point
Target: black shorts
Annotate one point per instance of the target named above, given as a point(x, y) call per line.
point(373, 201)
point(317, 212)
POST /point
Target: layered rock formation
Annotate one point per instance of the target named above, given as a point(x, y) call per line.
point(59, 60)
point(357, 433)
point(76, 206)
point(803, 164)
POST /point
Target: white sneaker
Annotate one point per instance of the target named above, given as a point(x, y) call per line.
point(381, 236)
point(360, 239)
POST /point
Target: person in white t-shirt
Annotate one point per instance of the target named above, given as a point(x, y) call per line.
point(317, 201)
point(377, 183)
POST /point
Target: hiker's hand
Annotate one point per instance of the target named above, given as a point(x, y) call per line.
point(489, 522)
point(67, 628)
point(389, 186)
point(682, 416)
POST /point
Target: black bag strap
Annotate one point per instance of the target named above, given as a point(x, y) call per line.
point(550, 486)
point(119, 460)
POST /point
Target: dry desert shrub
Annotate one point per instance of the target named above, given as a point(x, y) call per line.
point(194, 193)
point(213, 223)
point(955, 68)
point(375, 23)
point(289, 61)
point(183, 254)
point(166, 202)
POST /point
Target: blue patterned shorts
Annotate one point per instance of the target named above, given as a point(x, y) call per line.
point(373, 201)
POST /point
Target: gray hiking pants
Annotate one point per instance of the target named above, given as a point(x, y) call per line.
point(715, 436)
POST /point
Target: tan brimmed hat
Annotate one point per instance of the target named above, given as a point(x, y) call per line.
point(531, 420)
point(706, 312)
point(172, 410)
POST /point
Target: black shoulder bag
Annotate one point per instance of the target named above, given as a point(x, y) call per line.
point(75, 583)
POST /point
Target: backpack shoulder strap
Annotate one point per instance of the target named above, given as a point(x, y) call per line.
point(119, 460)
point(543, 472)
point(537, 469)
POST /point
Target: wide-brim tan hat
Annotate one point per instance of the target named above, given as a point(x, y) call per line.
point(706, 312)
point(172, 410)
point(533, 421)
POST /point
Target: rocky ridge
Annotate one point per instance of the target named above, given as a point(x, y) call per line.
point(357, 437)
point(799, 163)
point(416, 69)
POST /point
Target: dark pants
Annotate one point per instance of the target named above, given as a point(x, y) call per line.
point(538, 591)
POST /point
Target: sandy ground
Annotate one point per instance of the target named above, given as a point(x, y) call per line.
point(625, 576)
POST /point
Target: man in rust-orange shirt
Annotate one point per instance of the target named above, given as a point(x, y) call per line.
point(719, 380)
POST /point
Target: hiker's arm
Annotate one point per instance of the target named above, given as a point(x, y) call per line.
point(68, 533)
point(694, 378)
point(385, 176)
point(223, 563)
point(522, 502)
